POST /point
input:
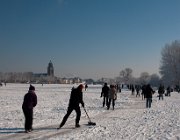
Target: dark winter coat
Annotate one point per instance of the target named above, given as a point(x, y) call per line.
point(76, 98)
point(30, 100)
point(149, 91)
point(161, 90)
point(168, 89)
point(143, 89)
point(105, 91)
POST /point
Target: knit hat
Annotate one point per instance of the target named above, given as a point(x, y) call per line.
point(31, 87)
point(81, 86)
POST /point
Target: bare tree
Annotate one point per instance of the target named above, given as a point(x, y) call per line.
point(155, 80)
point(126, 75)
point(170, 63)
point(144, 78)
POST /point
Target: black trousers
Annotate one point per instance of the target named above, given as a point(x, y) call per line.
point(28, 114)
point(70, 109)
point(105, 100)
point(148, 102)
point(113, 103)
point(160, 96)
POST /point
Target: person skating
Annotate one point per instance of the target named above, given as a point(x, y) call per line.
point(30, 101)
point(104, 94)
point(76, 98)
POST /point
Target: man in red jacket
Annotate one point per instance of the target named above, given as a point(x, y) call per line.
point(30, 101)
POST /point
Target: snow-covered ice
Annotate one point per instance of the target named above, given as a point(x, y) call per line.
point(130, 120)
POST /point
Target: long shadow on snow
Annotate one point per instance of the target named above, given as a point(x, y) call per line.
point(11, 130)
point(21, 130)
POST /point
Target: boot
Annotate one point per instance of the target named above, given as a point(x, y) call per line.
point(77, 125)
point(60, 126)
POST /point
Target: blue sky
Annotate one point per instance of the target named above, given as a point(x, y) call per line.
point(86, 38)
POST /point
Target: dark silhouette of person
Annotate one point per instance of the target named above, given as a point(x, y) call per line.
point(137, 90)
point(76, 98)
point(161, 91)
point(86, 86)
point(168, 91)
point(149, 92)
point(104, 94)
point(132, 89)
point(143, 93)
point(30, 101)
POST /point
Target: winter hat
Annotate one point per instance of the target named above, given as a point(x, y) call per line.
point(31, 87)
point(81, 86)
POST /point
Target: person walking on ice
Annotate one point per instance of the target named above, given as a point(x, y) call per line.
point(161, 91)
point(76, 98)
point(149, 92)
point(112, 96)
point(104, 94)
point(30, 101)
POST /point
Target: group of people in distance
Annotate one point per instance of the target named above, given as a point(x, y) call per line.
point(109, 95)
point(147, 93)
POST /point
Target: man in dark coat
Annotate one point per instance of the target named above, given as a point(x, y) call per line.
point(76, 98)
point(149, 91)
point(168, 91)
point(104, 94)
point(161, 91)
point(143, 93)
point(30, 101)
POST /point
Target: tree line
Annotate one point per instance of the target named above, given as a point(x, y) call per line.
point(169, 71)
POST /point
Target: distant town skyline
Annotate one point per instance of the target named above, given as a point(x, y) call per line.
point(86, 38)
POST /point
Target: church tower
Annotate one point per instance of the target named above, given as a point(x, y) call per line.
point(50, 69)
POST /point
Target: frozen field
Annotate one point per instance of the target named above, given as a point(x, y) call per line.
point(130, 120)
